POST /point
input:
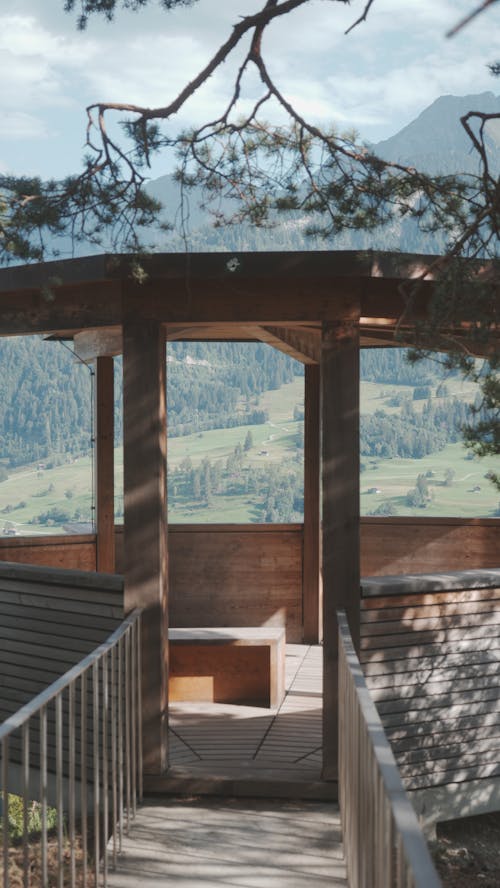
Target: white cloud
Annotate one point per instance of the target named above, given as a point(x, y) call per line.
point(377, 78)
point(19, 125)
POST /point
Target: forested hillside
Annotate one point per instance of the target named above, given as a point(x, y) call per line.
point(46, 401)
point(435, 142)
point(45, 394)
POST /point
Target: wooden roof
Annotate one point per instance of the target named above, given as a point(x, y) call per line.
point(280, 298)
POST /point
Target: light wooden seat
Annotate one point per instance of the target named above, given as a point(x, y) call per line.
point(227, 665)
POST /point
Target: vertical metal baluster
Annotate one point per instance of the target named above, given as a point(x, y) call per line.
point(113, 752)
point(105, 778)
point(120, 743)
point(43, 791)
point(95, 751)
point(133, 722)
point(59, 789)
point(83, 774)
point(26, 801)
point(71, 787)
point(127, 730)
point(139, 704)
point(400, 861)
point(5, 810)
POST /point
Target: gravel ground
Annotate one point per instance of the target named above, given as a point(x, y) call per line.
point(467, 852)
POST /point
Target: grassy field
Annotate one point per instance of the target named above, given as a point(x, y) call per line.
point(29, 492)
point(393, 478)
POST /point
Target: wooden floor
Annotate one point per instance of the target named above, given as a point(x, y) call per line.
point(235, 842)
point(210, 743)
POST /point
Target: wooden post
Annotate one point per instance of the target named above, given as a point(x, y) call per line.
point(312, 519)
point(340, 483)
point(104, 464)
point(145, 515)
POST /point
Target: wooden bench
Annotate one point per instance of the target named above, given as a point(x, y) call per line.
point(227, 665)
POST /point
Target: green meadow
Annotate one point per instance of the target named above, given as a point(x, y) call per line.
point(392, 478)
point(31, 492)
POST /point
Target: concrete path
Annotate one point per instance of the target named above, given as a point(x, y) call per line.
point(237, 843)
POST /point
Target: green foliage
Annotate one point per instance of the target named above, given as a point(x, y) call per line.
point(54, 515)
point(421, 393)
point(108, 8)
point(385, 510)
point(86, 209)
point(16, 818)
point(463, 300)
point(412, 434)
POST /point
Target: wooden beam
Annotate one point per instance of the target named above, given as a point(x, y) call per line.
point(311, 590)
point(104, 464)
point(340, 489)
point(60, 309)
point(145, 530)
point(303, 345)
point(249, 301)
point(296, 343)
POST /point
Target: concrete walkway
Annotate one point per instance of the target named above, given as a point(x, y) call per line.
point(238, 843)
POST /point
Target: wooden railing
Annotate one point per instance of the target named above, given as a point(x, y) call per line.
point(76, 747)
point(384, 846)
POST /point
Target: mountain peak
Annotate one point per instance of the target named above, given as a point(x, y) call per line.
point(436, 140)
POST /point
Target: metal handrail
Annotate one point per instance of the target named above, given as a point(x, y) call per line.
point(94, 709)
point(383, 843)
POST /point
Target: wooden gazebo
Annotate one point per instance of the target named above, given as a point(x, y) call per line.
point(318, 307)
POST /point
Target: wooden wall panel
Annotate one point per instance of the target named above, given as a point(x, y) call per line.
point(388, 546)
point(73, 552)
point(432, 664)
point(422, 545)
point(236, 576)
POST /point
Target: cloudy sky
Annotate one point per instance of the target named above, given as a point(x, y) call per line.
point(376, 79)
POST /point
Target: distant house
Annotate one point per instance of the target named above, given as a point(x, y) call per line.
point(374, 490)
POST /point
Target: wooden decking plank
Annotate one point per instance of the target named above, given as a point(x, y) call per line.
point(430, 624)
point(428, 745)
point(415, 649)
point(424, 598)
point(443, 717)
point(463, 759)
point(409, 666)
point(421, 675)
point(433, 687)
point(254, 740)
point(411, 639)
point(416, 612)
point(444, 702)
point(460, 775)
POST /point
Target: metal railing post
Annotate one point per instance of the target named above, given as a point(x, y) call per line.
point(112, 705)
